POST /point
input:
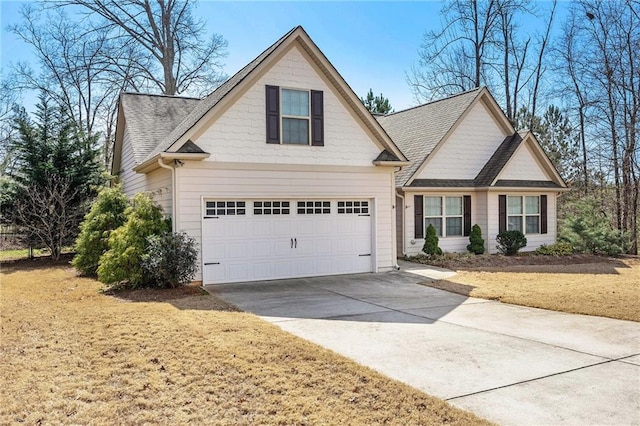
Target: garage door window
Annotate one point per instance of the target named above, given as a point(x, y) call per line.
point(271, 207)
point(353, 207)
point(314, 207)
point(225, 208)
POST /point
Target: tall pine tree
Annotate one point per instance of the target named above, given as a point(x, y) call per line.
point(55, 175)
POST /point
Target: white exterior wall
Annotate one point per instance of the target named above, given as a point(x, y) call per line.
point(456, 244)
point(484, 212)
point(157, 182)
point(240, 133)
point(533, 240)
point(467, 149)
point(246, 181)
point(523, 166)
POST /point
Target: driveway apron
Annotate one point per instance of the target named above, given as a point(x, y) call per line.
point(506, 363)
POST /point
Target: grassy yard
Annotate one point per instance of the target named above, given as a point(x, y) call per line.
point(582, 285)
point(71, 355)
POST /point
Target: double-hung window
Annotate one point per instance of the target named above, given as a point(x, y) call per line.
point(523, 214)
point(294, 116)
point(445, 214)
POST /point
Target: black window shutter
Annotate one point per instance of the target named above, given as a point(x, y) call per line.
point(273, 114)
point(418, 208)
point(317, 118)
point(502, 213)
point(466, 210)
point(543, 214)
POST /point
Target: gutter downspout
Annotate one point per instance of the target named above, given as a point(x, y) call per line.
point(173, 193)
point(402, 223)
point(395, 213)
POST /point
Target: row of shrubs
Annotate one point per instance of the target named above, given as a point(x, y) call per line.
point(129, 243)
point(578, 239)
point(509, 242)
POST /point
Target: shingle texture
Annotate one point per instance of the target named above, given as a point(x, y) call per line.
point(150, 118)
point(527, 184)
point(386, 156)
point(498, 160)
point(417, 131)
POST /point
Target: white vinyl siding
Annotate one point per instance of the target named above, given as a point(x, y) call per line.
point(304, 183)
point(238, 135)
point(467, 149)
point(157, 183)
point(523, 166)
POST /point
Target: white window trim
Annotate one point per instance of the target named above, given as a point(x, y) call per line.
point(297, 117)
point(444, 215)
point(523, 216)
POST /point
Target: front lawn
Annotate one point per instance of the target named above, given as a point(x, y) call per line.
point(588, 285)
point(69, 354)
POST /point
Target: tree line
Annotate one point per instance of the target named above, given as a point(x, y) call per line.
point(575, 81)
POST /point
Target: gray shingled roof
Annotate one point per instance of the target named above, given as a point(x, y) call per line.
point(151, 117)
point(417, 131)
point(210, 101)
point(386, 156)
point(498, 160)
point(443, 183)
point(527, 184)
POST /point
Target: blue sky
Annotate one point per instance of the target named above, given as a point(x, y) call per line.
point(372, 44)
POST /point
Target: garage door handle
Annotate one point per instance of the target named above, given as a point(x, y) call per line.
point(211, 263)
point(295, 242)
point(211, 217)
point(362, 255)
point(364, 215)
point(292, 243)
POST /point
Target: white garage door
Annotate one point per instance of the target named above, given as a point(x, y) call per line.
point(250, 240)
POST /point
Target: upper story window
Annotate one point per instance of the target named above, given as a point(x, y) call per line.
point(294, 116)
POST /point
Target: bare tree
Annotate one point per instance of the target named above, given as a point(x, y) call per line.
point(602, 53)
point(456, 58)
point(176, 56)
point(76, 70)
point(46, 213)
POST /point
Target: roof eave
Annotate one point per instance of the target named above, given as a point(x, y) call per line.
point(391, 163)
point(152, 163)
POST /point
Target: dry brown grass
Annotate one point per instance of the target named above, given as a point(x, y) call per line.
point(608, 287)
point(71, 355)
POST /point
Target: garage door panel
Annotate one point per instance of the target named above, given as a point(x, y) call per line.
point(251, 247)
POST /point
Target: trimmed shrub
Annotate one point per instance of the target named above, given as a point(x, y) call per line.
point(510, 242)
point(431, 242)
point(128, 243)
point(170, 260)
point(106, 215)
point(476, 242)
point(556, 249)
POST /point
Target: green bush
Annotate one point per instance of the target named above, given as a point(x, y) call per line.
point(510, 242)
point(431, 242)
point(476, 242)
point(588, 229)
point(170, 259)
point(556, 249)
point(106, 215)
point(128, 243)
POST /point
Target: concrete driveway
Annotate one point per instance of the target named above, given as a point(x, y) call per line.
point(506, 363)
